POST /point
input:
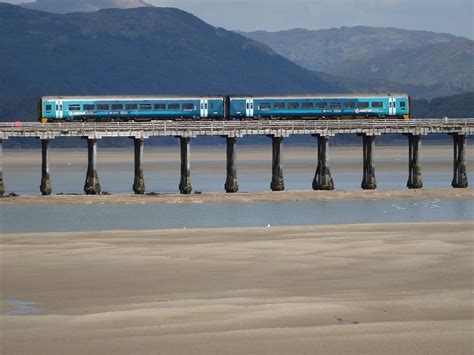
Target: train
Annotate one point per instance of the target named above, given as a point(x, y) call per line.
point(218, 107)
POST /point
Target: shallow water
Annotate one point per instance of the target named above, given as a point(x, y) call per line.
point(66, 218)
point(21, 308)
point(121, 181)
point(22, 169)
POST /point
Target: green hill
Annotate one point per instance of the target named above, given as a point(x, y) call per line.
point(137, 51)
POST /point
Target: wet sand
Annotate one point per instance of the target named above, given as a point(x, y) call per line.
point(352, 289)
point(222, 197)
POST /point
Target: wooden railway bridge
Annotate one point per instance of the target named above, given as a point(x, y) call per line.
point(277, 130)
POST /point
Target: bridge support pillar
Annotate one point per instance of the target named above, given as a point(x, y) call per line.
point(185, 186)
point(459, 166)
point(45, 186)
point(139, 180)
point(2, 185)
point(278, 183)
point(322, 178)
point(414, 166)
point(92, 185)
point(368, 180)
point(231, 184)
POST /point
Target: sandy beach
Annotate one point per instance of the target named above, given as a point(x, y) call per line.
point(221, 197)
point(352, 289)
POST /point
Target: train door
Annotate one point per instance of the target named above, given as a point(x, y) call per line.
point(204, 108)
point(249, 107)
point(392, 106)
point(59, 109)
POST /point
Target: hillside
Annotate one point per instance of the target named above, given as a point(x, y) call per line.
point(66, 6)
point(426, 64)
point(137, 51)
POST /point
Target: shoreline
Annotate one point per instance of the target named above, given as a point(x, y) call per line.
point(242, 197)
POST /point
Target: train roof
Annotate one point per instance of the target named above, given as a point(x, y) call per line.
point(191, 97)
point(322, 96)
point(130, 97)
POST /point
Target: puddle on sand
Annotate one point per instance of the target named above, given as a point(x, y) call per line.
point(21, 308)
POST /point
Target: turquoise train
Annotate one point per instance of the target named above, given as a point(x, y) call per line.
point(146, 108)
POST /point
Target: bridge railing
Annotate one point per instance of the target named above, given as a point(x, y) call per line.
point(214, 127)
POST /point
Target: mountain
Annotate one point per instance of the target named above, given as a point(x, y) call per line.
point(455, 106)
point(137, 51)
point(450, 62)
point(434, 63)
point(66, 6)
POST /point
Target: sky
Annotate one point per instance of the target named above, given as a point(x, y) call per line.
point(451, 16)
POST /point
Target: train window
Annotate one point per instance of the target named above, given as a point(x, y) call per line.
point(117, 106)
point(307, 105)
point(160, 106)
point(103, 107)
point(402, 104)
point(377, 104)
point(189, 107)
point(211, 106)
point(265, 106)
point(349, 104)
point(293, 105)
point(322, 105)
point(362, 105)
point(48, 107)
point(74, 107)
point(335, 105)
point(173, 106)
point(145, 106)
point(131, 107)
point(279, 105)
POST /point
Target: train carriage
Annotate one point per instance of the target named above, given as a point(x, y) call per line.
point(127, 108)
point(321, 106)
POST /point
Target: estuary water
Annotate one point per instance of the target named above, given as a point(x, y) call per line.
point(22, 169)
point(67, 218)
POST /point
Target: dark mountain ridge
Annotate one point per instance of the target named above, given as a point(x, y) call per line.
point(137, 51)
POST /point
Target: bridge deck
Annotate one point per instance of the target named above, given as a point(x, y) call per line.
point(282, 128)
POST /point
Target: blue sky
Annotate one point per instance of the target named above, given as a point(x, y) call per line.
point(453, 16)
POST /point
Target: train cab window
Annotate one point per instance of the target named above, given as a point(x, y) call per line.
point(293, 105)
point(265, 106)
point(173, 106)
point(117, 106)
point(377, 104)
point(160, 106)
point(402, 104)
point(307, 105)
point(103, 107)
point(48, 107)
point(74, 107)
point(131, 106)
point(279, 105)
point(335, 105)
point(322, 105)
point(362, 105)
point(145, 107)
point(349, 104)
point(189, 107)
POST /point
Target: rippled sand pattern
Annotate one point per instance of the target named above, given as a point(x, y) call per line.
point(352, 289)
